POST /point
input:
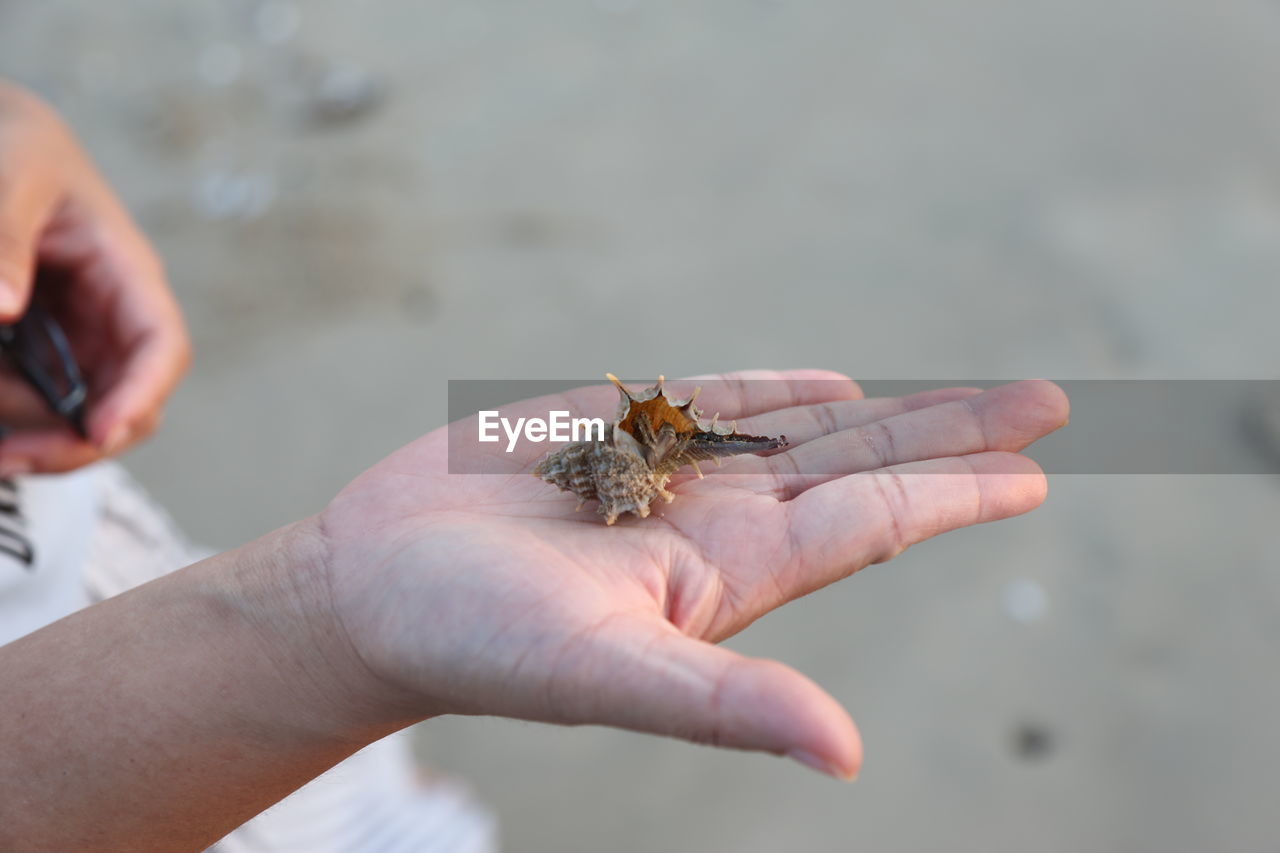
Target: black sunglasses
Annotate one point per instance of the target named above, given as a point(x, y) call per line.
point(37, 348)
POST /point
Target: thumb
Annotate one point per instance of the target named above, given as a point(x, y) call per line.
point(26, 204)
point(647, 676)
point(15, 276)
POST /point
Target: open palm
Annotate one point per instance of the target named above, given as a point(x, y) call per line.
point(488, 593)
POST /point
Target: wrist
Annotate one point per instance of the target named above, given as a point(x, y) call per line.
point(279, 590)
point(165, 716)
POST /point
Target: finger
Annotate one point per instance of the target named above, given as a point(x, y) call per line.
point(21, 406)
point(808, 422)
point(839, 527)
point(744, 393)
point(805, 423)
point(646, 676)
point(130, 409)
point(57, 449)
point(28, 195)
point(46, 451)
point(1007, 418)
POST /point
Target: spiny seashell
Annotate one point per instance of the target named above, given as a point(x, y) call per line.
point(652, 436)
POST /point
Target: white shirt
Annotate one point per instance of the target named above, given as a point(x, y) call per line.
point(57, 515)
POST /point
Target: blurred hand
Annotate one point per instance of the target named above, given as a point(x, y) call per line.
point(66, 241)
point(490, 595)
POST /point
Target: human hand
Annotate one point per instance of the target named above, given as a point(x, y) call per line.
point(476, 594)
point(66, 241)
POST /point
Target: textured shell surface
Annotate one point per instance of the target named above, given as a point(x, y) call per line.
point(652, 436)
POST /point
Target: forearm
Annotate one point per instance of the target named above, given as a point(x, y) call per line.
point(165, 717)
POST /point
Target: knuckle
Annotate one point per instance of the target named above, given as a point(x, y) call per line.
point(824, 418)
point(880, 443)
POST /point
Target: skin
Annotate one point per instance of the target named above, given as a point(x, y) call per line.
point(63, 228)
point(526, 608)
point(164, 717)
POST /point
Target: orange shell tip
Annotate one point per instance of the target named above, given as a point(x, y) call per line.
point(616, 381)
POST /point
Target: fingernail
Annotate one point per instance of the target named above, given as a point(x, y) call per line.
point(116, 439)
point(15, 467)
point(10, 302)
point(813, 762)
